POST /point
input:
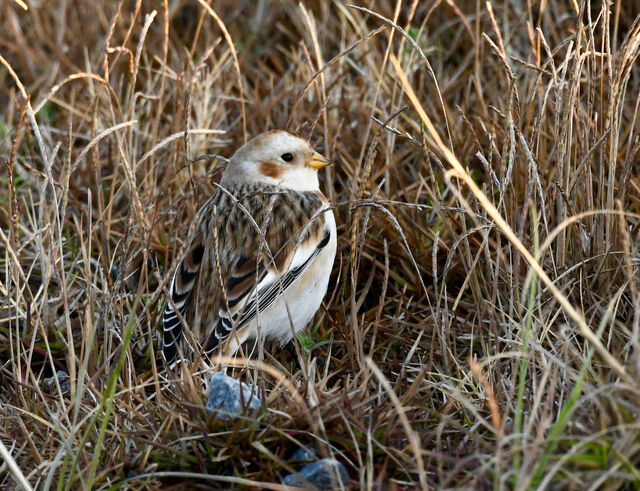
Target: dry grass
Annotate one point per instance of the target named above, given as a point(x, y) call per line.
point(482, 325)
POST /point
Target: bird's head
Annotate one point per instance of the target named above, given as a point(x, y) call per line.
point(276, 158)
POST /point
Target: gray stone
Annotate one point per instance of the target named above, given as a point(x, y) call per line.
point(303, 453)
point(322, 474)
point(225, 399)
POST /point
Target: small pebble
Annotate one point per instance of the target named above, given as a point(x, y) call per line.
point(49, 384)
point(322, 474)
point(224, 397)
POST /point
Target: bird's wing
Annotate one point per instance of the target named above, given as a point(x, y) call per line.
point(292, 232)
point(182, 285)
point(181, 303)
point(253, 291)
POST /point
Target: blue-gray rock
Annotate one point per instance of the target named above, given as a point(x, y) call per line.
point(49, 384)
point(225, 398)
point(322, 474)
point(303, 453)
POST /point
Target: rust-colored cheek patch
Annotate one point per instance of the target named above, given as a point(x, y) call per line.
point(271, 169)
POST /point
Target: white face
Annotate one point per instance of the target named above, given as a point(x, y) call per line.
point(276, 158)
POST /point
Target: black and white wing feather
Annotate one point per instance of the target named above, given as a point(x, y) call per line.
point(182, 286)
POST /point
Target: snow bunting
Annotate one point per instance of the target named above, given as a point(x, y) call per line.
point(258, 264)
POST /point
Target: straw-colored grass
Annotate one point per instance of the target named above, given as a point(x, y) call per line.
point(482, 324)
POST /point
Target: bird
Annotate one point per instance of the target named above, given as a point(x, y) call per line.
point(258, 261)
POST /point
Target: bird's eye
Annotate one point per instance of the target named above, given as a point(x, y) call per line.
point(287, 157)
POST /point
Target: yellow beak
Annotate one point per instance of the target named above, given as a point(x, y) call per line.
point(317, 161)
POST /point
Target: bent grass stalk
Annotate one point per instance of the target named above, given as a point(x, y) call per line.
point(459, 172)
